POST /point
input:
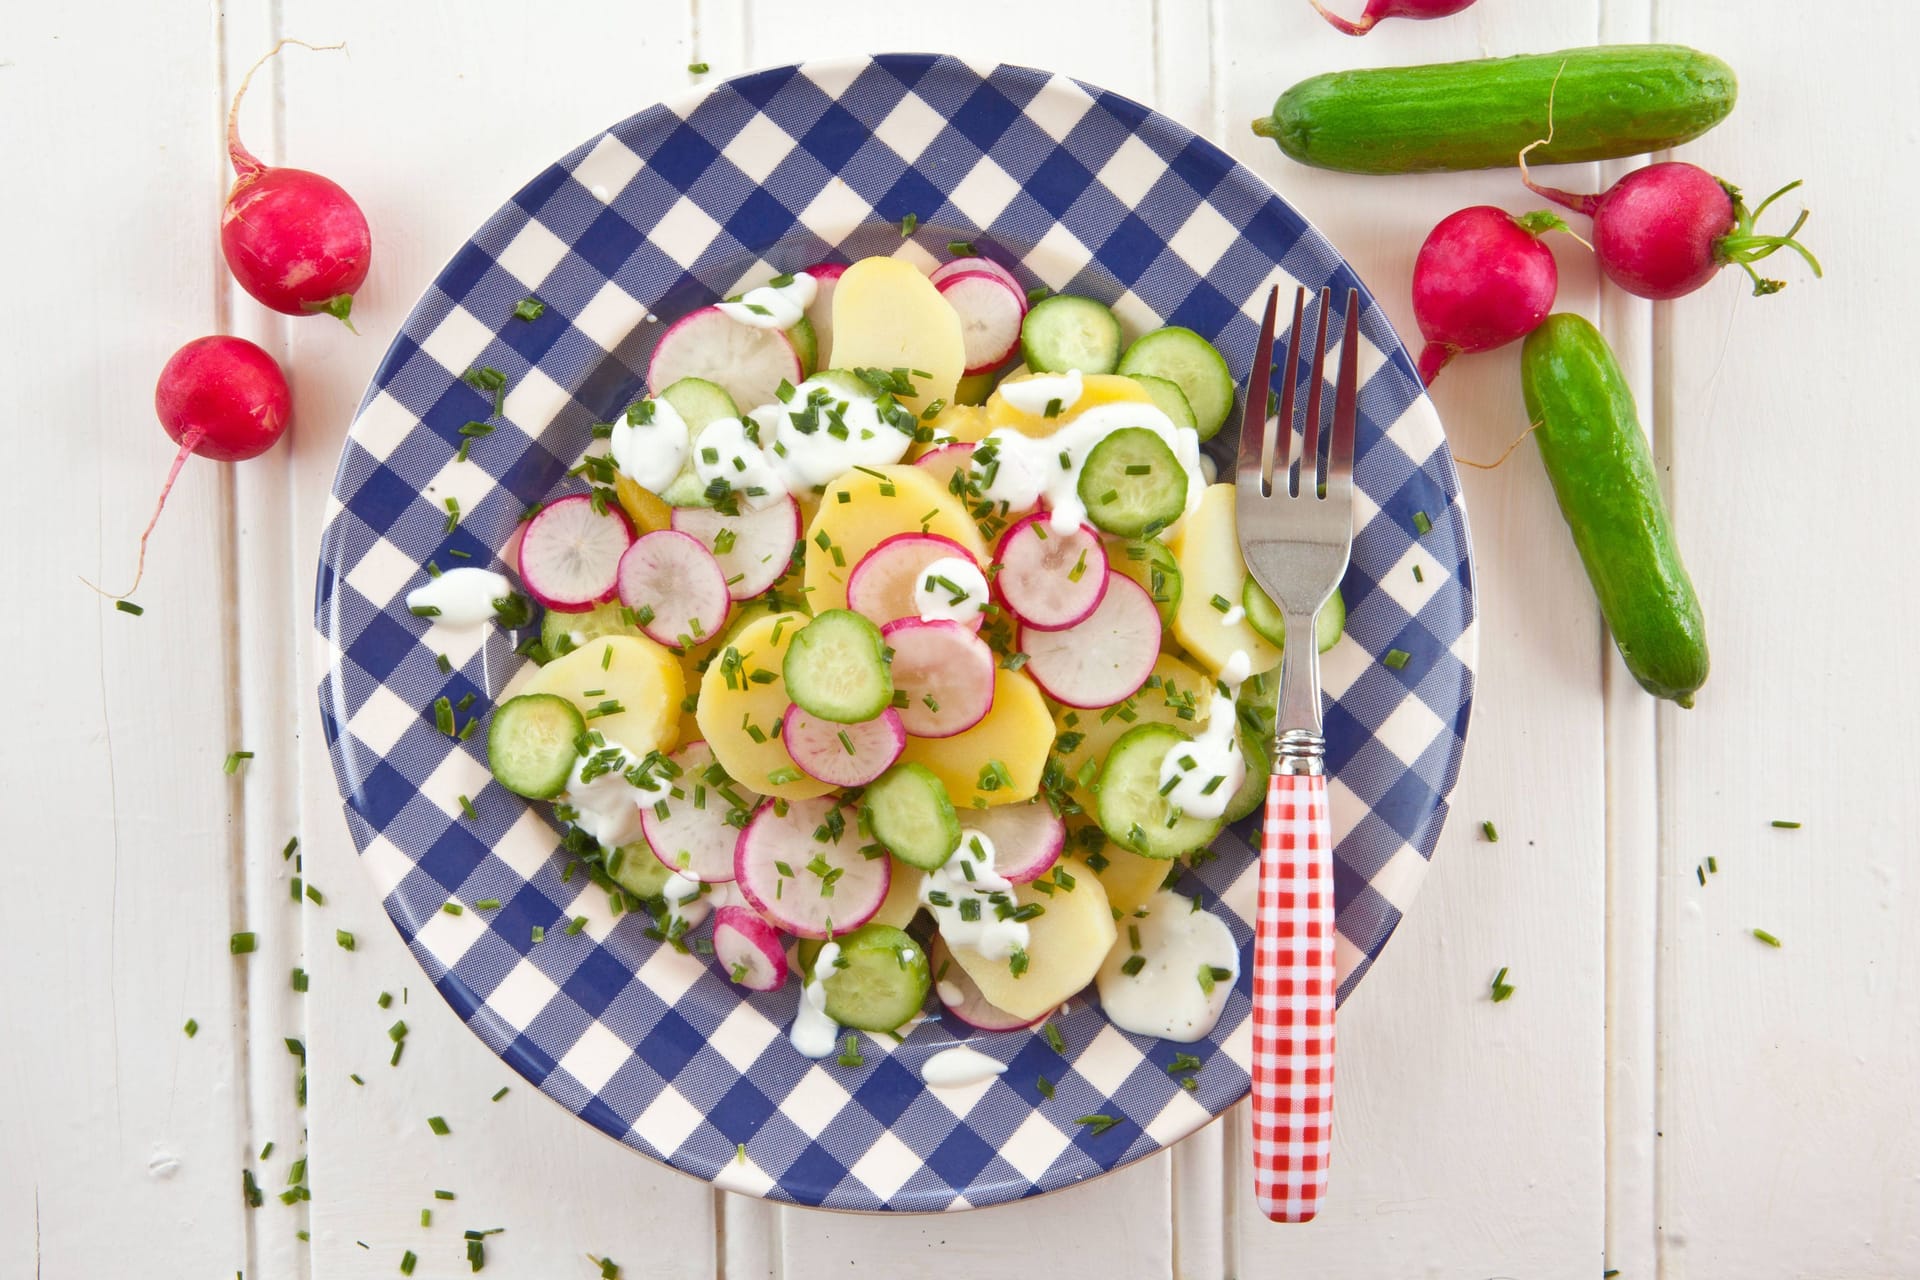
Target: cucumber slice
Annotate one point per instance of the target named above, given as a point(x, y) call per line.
point(1132, 485)
point(1190, 362)
point(1129, 806)
point(974, 388)
point(1151, 563)
point(635, 868)
point(879, 981)
point(1066, 332)
point(909, 811)
point(836, 667)
point(1253, 788)
point(806, 345)
point(1168, 398)
point(702, 404)
point(1264, 616)
point(557, 630)
point(530, 744)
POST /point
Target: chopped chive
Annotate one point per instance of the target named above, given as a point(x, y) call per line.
point(344, 939)
point(907, 224)
point(1417, 575)
point(192, 1028)
point(426, 1217)
point(1133, 965)
point(1053, 408)
point(1044, 1087)
point(1713, 864)
point(236, 758)
point(503, 1093)
point(438, 1125)
point(1766, 937)
point(575, 925)
point(1492, 833)
point(250, 1190)
point(1220, 603)
point(1701, 874)
point(538, 933)
point(1781, 823)
point(697, 68)
point(443, 1195)
point(1421, 523)
point(314, 895)
point(1097, 1123)
point(128, 606)
point(487, 904)
point(407, 1261)
point(1396, 658)
point(1500, 989)
point(355, 1077)
point(466, 808)
point(241, 943)
point(453, 514)
point(529, 309)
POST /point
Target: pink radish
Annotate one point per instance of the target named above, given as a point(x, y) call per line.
point(946, 673)
point(748, 949)
point(845, 755)
point(881, 586)
point(826, 278)
point(1102, 660)
point(945, 462)
point(1052, 580)
point(570, 553)
point(222, 398)
point(675, 587)
point(759, 544)
point(294, 240)
point(689, 832)
point(990, 312)
point(748, 363)
point(1663, 231)
point(795, 871)
point(1482, 280)
point(1027, 838)
point(1378, 9)
point(961, 266)
point(962, 997)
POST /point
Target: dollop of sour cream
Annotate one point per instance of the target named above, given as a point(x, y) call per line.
point(1199, 777)
point(1034, 395)
point(813, 1032)
point(1165, 997)
point(950, 589)
point(774, 306)
point(464, 596)
point(1025, 470)
point(649, 444)
point(969, 875)
point(726, 452)
point(821, 430)
point(958, 1067)
point(1235, 670)
point(606, 805)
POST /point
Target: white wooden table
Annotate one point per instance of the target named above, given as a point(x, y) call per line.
point(1663, 1095)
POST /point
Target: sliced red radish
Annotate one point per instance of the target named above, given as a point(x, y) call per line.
point(963, 266)
point(570, 553)
point(748, 362)
point(846, 755)
point(826, 278)
point(1027, 838)
point(1103, 660)
point(946, 673)
point(675, 588)
point(881, 586)
point(1052, 580)
point(964, 1000)
point(748, 949)
point(946, 461)
point(990, 312)
point(759, 544)
point(794, 872)
point(690, 832)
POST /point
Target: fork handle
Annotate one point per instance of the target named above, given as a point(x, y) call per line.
point(1293, 980)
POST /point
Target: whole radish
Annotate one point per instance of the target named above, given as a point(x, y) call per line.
point(1663, 231)
point(293, 239)
point(1482, 280)
point(1378, 9)
point(222, 398)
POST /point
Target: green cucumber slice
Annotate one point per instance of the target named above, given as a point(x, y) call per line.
point(836, 667)
point(1168, 398)
point(557, 630)
point(1190, 362)
point(806, 345)
point(701, 404)
point(908, 810)
point(530, 744)
point(1132, 485)
point(1151, 563)
point(880, 980)
point(1264, 616)
point(1067, 332)
point(1128, 803)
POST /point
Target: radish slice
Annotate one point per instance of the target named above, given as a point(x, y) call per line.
point(760, 546)
point(748, 363)
point(570, 553)
point(990, 312)
point(845, 755)
point(828, 885)
point(676, 588)
point(946, 461)
point(946, 671)
point(881, 586)
point(693, 836)
point(1027, 838)
point(748, 950)
point(826, 278)
point(1103, 660)
point(976, 265)
point(1052, 580)
point(964, 1000)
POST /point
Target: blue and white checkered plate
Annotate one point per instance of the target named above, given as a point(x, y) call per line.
point(1072, 186)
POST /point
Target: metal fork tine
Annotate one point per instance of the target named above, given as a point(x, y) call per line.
point(1308, 484)
point(1253, 464)
point(1346, 395)
point(1287, 383)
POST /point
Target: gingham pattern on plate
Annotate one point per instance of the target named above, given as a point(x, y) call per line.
point(1072, 187)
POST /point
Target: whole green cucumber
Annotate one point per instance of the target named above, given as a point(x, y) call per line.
point(1609, 102)
point(1604, 478)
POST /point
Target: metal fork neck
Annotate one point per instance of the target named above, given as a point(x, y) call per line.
point(1299, 745)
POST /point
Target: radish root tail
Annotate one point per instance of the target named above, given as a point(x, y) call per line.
point(1744, 246)
point(1341, 24)
point(1569, 199)
point(1504, 455)
point(188, 443)
point(245, 163)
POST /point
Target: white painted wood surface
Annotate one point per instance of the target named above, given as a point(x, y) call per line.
point(1663, 1095)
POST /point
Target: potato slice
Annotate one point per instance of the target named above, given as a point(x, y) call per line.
point(1096, 389)
point(1131, 878)
point(1208, 550)
point(643, 677)
point(730, 712)
point(1066, 946)
point(1017, 732)
point(902, 902)
point(887, 315)
point(862, 509)
point(1180, 688)
point(966, 423)
point(648, 513)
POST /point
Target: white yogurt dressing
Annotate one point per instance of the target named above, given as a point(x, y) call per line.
point(650, 453)
point(951, 589)
point(1028, 469)
point(724, 452)
point(774, 306)
point(958, 1067)
point(1234, 616)
point(814, 1033)
point(1033, 395)
point(680, 890)
point(970, 874)
point(1235, 670)
point(1213, 754)
point(1166, 998)
point(463, 596)
point(799, 447)
point(607, 807)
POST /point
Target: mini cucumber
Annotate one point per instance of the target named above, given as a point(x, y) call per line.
point(530, 744)
point(1128, 803)
point(1604, 478)
point(1151, 563)
point(557, 630)
point(1264, 616)
point(836, 668)
point(1068, 332)
point(879, 981)
point(1191, 363)
point(908, 810)
point(1608, 103)
point(701, 404)
point(1132, 485)
point(1166, 396)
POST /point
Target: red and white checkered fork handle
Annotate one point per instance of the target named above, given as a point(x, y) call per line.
point(1293, 1000)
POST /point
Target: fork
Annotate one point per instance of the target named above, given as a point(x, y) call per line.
point(1296, 531)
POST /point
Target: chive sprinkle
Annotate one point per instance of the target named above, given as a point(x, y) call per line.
point(241, 943)
point(503, 1093)
point(1396, 658)
point(407, 1261)
point(236, 758)
point(128, 606)
point(1044, 1087)
point(443, 1195)
point(1500, 988)
point(1055, 1040)
point(1766, 937)
point(1781, 823)
point(1097, 1124)
point(529, 309)
point(1713, 864)
point(344, 939)
point(1492, 833)
point(438, 1125)
point(192, 1028)
point(1422, 523)
point(907, 224)
point(697, 68)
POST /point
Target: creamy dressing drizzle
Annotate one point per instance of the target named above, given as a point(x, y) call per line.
point(970, 874)
point(783, 456)
point(1033, 395)
point(937, 601)
point(1234, 616)
point(1166, 998)
point(774, 306)
point(1026, 470)
point(650, 453)
point(958, 1067)
point(814, 1033)
point(608, 807)
point(463, 596)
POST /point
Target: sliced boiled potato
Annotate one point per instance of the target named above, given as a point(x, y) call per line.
point(965, 423)
point(1208, 550)
point(739, 717)
point(641, 676)
point(648, 513)
point(695, 661)
point(1066, 945)
point(862, 509)
point(902, 902)
point(887, 315)
point(1131, 878)
point(1096, 389)
point(1182, 697)
point(1017, 732)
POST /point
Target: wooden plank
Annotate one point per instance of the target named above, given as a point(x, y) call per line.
point(1447, 1102)
point(116, 898)
point(1789, 1143)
